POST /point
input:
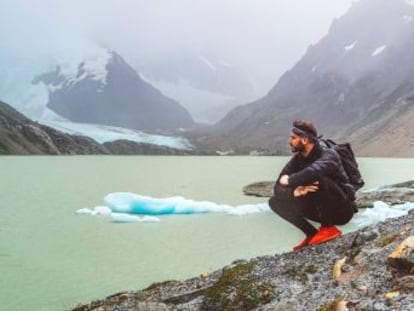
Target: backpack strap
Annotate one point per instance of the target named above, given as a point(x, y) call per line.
point(328, 142)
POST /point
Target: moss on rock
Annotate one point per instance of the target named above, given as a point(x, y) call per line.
point(238, 289)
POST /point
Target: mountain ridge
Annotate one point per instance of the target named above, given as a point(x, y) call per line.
point(353, 78)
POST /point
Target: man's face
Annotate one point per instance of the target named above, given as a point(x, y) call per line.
point(295, 143)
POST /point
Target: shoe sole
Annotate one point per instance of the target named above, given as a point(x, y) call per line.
point(325, 240)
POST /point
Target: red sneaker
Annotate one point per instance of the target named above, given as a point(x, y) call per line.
point(302, 244)
point(325, 234)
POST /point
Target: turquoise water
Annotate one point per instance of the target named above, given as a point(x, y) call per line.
point(53, 259)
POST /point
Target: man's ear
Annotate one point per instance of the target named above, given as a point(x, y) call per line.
point(304, 140)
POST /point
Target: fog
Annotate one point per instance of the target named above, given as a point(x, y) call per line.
point(264, 37)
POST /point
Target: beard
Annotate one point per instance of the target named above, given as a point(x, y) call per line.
point(298, 148)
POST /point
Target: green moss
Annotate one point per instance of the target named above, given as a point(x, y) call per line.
point(331, 306)
point(351, 252)
point(388, 239)
point(237, 289)
point(301, 273)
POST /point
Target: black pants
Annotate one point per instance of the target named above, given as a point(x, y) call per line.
point(328, 205)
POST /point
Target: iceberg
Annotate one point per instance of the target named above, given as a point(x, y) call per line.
point(126, 202)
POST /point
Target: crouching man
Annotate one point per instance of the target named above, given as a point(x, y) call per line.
point(313, 186)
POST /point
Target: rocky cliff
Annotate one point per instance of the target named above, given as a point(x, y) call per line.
point(356, 83)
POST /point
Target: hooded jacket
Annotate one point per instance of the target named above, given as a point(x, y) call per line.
point(319, 163)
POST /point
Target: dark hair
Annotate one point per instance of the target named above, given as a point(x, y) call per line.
point(305, 128)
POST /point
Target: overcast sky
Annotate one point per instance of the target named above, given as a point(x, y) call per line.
point(267, 36)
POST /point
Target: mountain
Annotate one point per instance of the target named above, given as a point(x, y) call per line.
point(106, 90)
point(20, 135)
point(356, 83)
point(206, 84)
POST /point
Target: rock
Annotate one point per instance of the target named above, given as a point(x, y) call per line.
point(260, 189)
point(405, 283)
point(402, 258)
point(337, 269)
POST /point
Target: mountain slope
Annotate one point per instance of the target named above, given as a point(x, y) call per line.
point(108, 91)
point(357, 81)
point(20, 135)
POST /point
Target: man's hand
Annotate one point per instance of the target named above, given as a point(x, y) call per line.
point(304, 190)
point(284, 180)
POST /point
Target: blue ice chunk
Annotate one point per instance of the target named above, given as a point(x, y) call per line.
point(126, 202)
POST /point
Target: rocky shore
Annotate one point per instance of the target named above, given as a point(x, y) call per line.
point(366, 270)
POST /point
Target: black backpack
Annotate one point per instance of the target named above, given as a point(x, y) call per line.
point(348, 161)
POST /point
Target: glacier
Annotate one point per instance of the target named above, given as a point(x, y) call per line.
point(104, 133)
point(127, 207)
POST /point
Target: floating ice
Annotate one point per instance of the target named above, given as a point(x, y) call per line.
point(120, 217)
point(127, 207)
point(380, 212)
point(98, 210)
point(126, 202)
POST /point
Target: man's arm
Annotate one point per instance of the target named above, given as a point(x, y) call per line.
point(327, 164)
point(287, 169)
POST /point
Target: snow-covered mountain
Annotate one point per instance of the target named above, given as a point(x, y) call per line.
point(104, 89)
point(356, 83)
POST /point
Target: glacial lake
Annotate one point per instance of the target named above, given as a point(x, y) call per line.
point(52, 258)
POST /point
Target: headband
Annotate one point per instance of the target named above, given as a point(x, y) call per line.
point(301, 132)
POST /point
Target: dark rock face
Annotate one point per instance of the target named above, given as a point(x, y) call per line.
point(20, 135)
point(355, 84)
point(121, 98)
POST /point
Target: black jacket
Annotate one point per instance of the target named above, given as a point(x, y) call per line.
point(319, 163)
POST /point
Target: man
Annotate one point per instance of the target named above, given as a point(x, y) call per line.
point(313, 186)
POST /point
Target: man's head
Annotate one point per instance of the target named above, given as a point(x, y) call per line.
point(303, 136)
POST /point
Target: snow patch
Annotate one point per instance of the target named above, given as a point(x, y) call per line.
point(92, 65)
point(103, 133)
point(351, 46)
point(314, 68)
point(379, 50)
point(207, 62)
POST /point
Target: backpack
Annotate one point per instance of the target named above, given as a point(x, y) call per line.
point(348, 161)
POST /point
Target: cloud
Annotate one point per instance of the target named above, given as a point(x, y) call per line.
point(266, 36)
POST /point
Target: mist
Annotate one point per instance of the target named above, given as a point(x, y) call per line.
point(263, 38)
